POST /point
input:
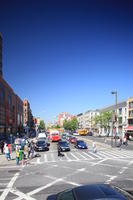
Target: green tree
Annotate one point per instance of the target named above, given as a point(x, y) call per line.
point(103, 120)
point(71, 124)
point(41, 126)
point(74, 124)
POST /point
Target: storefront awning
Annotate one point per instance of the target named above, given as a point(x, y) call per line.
point(129, 128)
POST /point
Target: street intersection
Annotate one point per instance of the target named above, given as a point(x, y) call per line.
point(50, 174)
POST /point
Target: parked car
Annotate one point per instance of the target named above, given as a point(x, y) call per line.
point(72, 139)
point(80, 144)
point(63, 146)
point(41, 145)
point(92, 192)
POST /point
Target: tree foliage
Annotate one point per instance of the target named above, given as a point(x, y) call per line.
point(71, 124)
point(103, 119)
point(41, 126)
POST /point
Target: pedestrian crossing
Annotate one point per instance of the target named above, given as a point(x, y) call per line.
point(77, 155)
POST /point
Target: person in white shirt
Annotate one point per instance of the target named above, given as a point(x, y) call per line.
point(6, 151)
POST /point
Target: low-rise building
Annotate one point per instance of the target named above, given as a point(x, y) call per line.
point(129, 127)
point(62, 117)
point(121, 122)
point(86, 119)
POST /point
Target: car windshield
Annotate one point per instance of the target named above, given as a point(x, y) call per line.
point(41, 143)
point(63, 143)
point(55, 134)
point(81, 142)
point(66, 195)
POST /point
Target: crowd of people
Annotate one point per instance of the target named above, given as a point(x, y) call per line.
point(22, 148)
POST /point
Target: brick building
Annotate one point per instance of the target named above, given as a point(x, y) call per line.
point(11, 110)
point(62, 117)
point(27, 115)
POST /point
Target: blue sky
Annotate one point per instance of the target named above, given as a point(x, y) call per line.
point(67, 55)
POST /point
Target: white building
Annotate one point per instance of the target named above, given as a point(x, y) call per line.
point(85, 120)
point(122, 112)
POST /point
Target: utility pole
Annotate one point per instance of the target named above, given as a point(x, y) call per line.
point(116, 105)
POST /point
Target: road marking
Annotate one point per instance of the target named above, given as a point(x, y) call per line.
point(74, 156)
point(99, 162)
point(3, 184)
point(52, 156)
point(109, 155)
point(67, 157)
point(102, 155)
point(44, 187)
point(21, 195)
point(122, 170)
point(119, 154)
point(38, 161)
point(95, 154)
point(87, 154)
point(81, 156)
point(111, 179)
point(45, 158)
point(9, 186)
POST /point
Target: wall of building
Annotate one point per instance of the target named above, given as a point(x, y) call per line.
point(27, 114)
point(11, 112)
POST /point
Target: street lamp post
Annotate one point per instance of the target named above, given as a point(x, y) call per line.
point(115, 93)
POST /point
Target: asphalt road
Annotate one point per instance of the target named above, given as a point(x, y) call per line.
point(50, 174)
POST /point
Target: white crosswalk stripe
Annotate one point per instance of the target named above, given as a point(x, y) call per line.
point(80, 155)
point(74, 156)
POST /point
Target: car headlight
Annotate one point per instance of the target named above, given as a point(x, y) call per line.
point(79, 145)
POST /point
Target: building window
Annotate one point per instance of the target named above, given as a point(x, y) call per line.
point(125, 110)
point(131, 113)
point(120, 111)
point(2, 93)
point(9, 100)
point(131, 104)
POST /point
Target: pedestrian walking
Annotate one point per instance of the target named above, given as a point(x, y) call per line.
point(17, 156)
point(6, 151)
point(2, 146)
point(32, 150)
point(29, 150)
point(125, 140)
point(119, 143)
point(10, 151)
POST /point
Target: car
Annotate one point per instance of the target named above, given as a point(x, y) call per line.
point(68, 137)
point(90, 133)
point(64, 136)
point(72, 139)
point(63, 146)
point(92, 192)
point(41, 145)
point(80, 144)
point(76, 134)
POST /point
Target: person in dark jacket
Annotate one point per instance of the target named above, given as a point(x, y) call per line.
point(2, 146)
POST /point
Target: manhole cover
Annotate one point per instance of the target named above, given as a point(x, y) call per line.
point(13, 171)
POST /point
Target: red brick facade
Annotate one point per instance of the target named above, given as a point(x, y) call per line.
point(11, 110)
